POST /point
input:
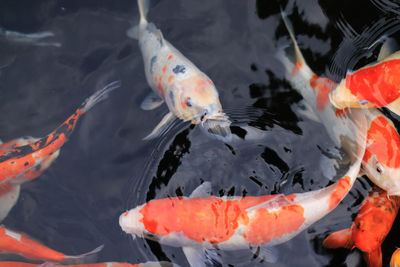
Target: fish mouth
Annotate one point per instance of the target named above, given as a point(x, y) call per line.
point(218, 125)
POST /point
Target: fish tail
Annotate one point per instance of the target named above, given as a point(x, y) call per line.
point(339, 239)
point(143, 10)
point(99, 96)
point(299, 59)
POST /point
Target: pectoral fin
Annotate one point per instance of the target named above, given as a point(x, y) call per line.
point(374, 258)
point(162, 126)
point(151, 101)
point(203, 190)
point(9, 194)
point(198, 256)
point(339, 239)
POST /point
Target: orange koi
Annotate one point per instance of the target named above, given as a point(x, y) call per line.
point(370, 228)
point(201, 223)
point(373, 86)
point(21, 163)
point(18, 243)
point(395, 260)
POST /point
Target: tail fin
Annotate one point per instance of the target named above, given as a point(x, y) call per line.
point(299, 59)
point(339, 239)
point(99, 96)
point(143, 10)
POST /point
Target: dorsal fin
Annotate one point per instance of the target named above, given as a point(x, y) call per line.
point(388, 48)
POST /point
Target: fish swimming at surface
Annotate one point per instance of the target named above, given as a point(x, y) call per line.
point(202, 223)
point(189, 93)
point(18, 243)
point(24, 159)
point(370, 227)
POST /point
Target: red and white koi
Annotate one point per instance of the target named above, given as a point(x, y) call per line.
point(24, 159)
point(101, 264)
point(370, 227)
point(18, 243)
point(201, 223)
point(189, 93)
point(373, 86)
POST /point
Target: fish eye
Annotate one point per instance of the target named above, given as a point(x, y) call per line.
point(379, 168)
point(188, 101)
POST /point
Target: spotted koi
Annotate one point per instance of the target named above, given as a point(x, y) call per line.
point(370, 227)
point(233, 223)
point(18, 243)
point(174, 79)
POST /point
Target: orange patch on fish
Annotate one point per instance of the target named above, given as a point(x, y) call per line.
point(378, 84)
point(209, 219)
point(266, 226)
point(296, 68)
point(323, 86)
point(164, 69)
point(170, 57)
point(395, 260)
point(160, 88)
point(342, 188)
point(170, 78)
point(383, 141)
point(341, 112)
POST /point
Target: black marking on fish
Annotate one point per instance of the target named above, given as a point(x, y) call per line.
point(171, 96)
point(152, 61)
point(179, 69)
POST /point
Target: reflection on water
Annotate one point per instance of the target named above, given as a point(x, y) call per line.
point(106, 168)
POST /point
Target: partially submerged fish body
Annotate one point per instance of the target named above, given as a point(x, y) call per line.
point(395, 260)
point(189, 93)
point(381, 160)
point(18, 243)
point(370, 227)
point(100, 264)
point(202, 222)
point(341, 125)
point(21, 163)
point(373, 86)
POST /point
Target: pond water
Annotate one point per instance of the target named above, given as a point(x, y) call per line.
point(106, 168)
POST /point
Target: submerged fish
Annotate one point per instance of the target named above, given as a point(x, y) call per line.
point(18, 243)
point(370, 227)
point(373, 86)
point(24, 159)
point(101, 264)
point(189, 93)
point(202, 223)
point(36, 38)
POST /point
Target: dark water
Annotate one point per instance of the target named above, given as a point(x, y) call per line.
point(106, 168)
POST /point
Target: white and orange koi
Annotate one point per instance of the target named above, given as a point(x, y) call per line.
point(24, 159)
point(202, 223)
point(370, 227)
point(18, 243)
point(189, 93)
point(100, 264)
point(373, 86)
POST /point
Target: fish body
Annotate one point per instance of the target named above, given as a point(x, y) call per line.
point(234, 223)
point(373, 86)
point(370, 227)
point(100, 264)
point(18, 243)
point(188, 92)
point(395, 260)
point(19, 163)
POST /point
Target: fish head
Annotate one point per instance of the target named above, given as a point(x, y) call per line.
point(131, 222)
point(196, 99)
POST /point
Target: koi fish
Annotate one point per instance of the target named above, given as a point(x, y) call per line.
point(31, 38)
point(370, 227)
point(202, 222)
point(21, 163)
point(341, 125)
point(189, 93)
point(24, 159)
point(395, 260)
point(102, 264)
point(373, 86)
point(18, 243)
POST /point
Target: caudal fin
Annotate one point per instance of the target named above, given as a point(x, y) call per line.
point(99, 96)
point(339, 239)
